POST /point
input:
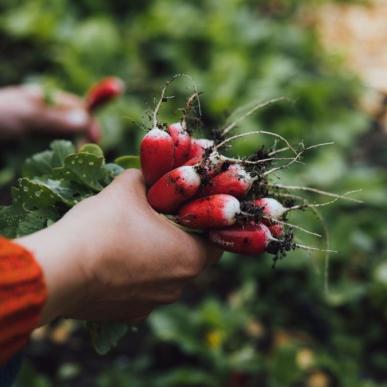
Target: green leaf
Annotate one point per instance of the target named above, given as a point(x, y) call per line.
point(85, 169)
point(106, 335)
point(61, 149)
point(39, 164)
point(9, 220)
point(126, 162)
point(113, 169)
point(35, 193)
point(43, 163)
point(92, 149)
point(6, 176)
point(30, 195)
point(36, 220)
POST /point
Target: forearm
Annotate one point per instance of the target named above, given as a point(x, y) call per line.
point(22, 295)
point(56, 250)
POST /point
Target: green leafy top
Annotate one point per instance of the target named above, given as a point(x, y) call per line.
point(54, 181)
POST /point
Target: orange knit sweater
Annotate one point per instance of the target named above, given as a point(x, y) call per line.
point(22, 296)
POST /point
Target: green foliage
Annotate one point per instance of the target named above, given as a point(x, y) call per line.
point(105, 336)
point(242, 319)
point(53, 181)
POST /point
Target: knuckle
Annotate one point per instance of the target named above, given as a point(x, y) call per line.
point(131, 180)
point(131, 174)
point(125, 177)
point(195, 267)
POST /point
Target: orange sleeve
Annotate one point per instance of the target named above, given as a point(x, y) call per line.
point(22, 296)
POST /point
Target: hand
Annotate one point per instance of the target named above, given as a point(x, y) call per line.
point(23, 110)
point(112, 257)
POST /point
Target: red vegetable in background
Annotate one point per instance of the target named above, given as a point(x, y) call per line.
point(104, 91)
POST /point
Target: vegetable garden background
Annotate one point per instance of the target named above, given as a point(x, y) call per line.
point(242, 323)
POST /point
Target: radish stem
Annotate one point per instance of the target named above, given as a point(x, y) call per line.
point(251, 111)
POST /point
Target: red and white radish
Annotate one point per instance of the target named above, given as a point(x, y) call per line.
point(199, 146)
point(104, 91)
point(234, 181)
point(272, 208)
point(212, 164)
point(209, 166)
point(156, 154)
point(215, 211)
point(248, 240)
point(173, 189)
point(182, 143)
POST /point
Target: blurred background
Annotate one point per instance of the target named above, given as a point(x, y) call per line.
point(242, 323)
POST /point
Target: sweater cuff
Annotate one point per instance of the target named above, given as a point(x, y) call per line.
point(22, 296)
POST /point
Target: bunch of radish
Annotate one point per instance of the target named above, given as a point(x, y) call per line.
point(230, 200)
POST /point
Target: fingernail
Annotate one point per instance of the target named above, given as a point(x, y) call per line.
point(77, 117)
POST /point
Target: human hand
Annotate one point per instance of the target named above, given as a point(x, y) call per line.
point(112, 257)
point(24, 111)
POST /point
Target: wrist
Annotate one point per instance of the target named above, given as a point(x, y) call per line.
point(59, 256)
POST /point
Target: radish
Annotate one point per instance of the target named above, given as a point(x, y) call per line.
point(271, 207)
point(211, 164)
point(199, 146)
point(104, 91)
point(273, 211)
point(249, 240)
point(182, 143)
point(213, 211)
point(156, 154)
point(277, 230)
point(173, 189)
point(234, 181)
point(208, 166)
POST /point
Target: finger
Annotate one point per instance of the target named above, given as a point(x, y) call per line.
point(63, 121)
point(190, 254)
point(66, 115)
point(130, 180)
point(210, 252)
point(67, 100)
point(60, 99)
point(94, 132)
point(139, 319)
point(214, 253)
point(133, 313)
point(126, 189)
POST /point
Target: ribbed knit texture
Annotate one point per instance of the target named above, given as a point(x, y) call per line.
point(22, 296)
